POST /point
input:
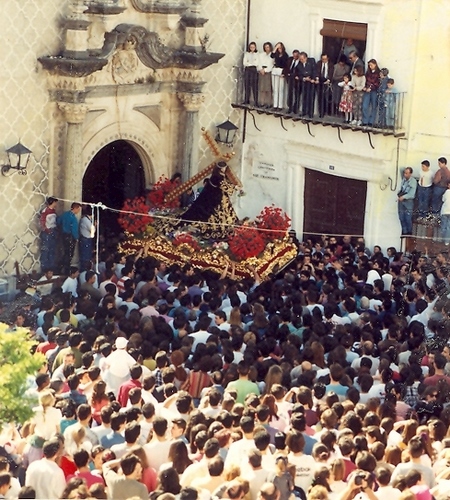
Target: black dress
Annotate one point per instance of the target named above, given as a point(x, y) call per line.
point(211, 215)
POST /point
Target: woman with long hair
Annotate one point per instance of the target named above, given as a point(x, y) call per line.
point(280, 58)
point(178, 457)
point(99, 399)
point(274, 376)
point(149, 476)
point(275, 420)
point(369, 103)
point(265, 65)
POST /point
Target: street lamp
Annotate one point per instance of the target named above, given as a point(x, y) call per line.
point(18, 150)
point(226, 132)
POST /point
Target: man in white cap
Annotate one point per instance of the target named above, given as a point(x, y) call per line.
point(118, 365)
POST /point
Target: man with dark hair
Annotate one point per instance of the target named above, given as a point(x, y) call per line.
point(47, 223)
point(298, 423)
point(75, 339)
point(210, 449)
point(308, 79)
point(157, 450)
point(127, 485)
point(118, 421)
point(305, 465)
point(105, 428)
point(439, 375)
point(68, 224)
point(125, 388)
point(405, 201)
point(213, 479)
point(201, 334)
point(416, 449)
point(81, 459)
point(45, 475)
point(5, 483)
point(131, 434)
point(84, 415)
point(240, 448)
point(324, 74)
point(290, 72)
point(243, 386)
point(440, 183)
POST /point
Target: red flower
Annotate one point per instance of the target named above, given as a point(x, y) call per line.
point(186, 239)
point(157, 195)
point(246, 242)
point(137, 221)
point(273, 222)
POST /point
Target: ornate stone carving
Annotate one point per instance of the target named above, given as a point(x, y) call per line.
point(191, 101)
point(73, 113)
point(125, 62)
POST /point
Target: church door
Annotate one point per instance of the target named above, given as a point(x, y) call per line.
point(114, 174)
point(333, 205)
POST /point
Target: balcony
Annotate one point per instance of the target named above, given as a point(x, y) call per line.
point(324, 102)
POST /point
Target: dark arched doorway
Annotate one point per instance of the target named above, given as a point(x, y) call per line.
point(114, 174)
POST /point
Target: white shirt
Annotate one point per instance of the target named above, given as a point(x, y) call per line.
point(87, 229)
point(265, 62)
point(46, 478)
point(199, 337)
point(47, 423)
point(157, 453)
point(70, 285)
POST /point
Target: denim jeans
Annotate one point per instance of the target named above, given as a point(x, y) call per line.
point(86, 246)
point(48, 250)
point(424, 199)
point(369, 107)
point(405, 213)
point(436, 200)
point(445, 227)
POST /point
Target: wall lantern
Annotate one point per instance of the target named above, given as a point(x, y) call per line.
point(18, 151)
point(226, 132)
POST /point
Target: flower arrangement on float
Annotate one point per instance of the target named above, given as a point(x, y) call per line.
point(261, 243)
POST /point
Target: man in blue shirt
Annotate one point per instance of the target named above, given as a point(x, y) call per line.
point(68, 224)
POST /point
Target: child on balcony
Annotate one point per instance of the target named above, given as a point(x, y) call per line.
point(346, 103)
point(390, 100)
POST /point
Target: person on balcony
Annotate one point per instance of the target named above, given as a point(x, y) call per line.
point(340, 69)
point(358, 83)
point(308, 77)
point(325, 75)
point(265, 65)
point(390, 103)
point(440, 182)
point(251, 74)
point(405, 200)
point(424, 190)
point(370, 101)
point(291, 73)
point(280, 59)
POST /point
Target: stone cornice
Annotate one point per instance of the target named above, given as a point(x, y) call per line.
point(149, 48)
point(159, 6)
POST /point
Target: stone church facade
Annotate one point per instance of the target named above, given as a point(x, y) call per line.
point(80, 76)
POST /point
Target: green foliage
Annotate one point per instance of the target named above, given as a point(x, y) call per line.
point(16, 364)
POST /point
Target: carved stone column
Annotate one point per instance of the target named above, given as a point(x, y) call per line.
point(74, 115)
point(192, 103)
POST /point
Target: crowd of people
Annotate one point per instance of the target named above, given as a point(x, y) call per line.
point(328, 381)
point(363, 97)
